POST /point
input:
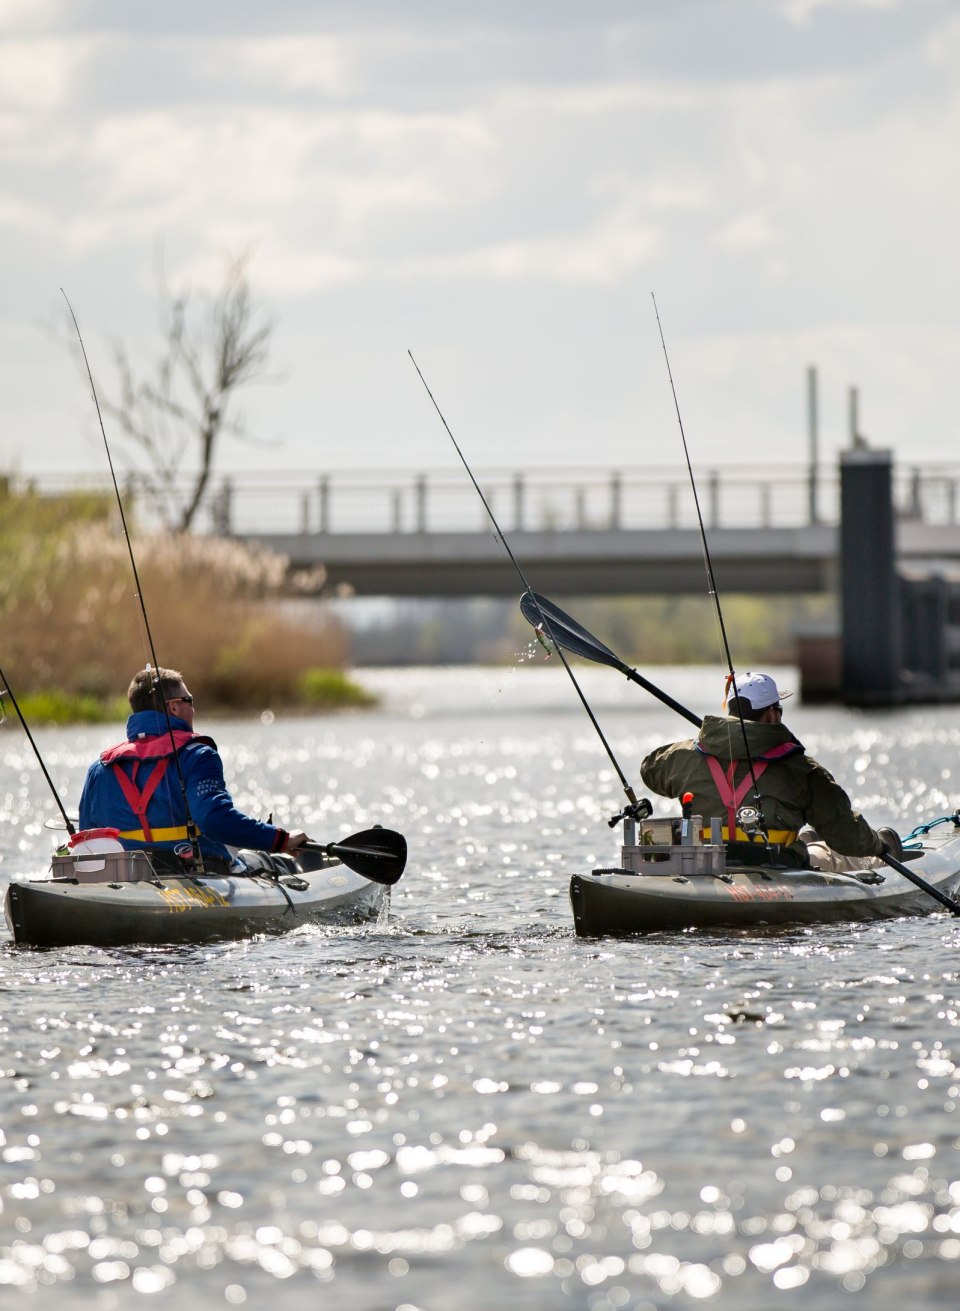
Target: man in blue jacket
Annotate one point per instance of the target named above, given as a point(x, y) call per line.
point(163, 775)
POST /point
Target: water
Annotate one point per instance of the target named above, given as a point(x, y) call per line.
point(466, 1108)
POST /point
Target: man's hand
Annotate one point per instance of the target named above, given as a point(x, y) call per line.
point(892, 846)
point(294, 842)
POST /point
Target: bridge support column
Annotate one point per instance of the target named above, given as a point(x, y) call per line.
point(869, 591)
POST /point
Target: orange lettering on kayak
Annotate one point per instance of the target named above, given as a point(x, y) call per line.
point(770, 892)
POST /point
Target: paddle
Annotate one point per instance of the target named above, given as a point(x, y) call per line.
point(566, 632)
point(379, 854)
point(907, 873)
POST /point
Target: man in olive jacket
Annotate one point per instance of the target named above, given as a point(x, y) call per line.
point(793, 789)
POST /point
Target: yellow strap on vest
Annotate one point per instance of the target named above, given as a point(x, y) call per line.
point(782, 836)
point(159, 835)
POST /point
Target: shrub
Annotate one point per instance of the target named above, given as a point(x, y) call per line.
point(325, 689)
point(73, 628)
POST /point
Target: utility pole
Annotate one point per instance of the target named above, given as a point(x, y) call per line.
point(857, 441)
point(813, 434)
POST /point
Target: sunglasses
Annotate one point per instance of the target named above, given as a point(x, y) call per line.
point(188, 698)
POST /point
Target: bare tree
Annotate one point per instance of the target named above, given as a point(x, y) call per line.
point(208, 354)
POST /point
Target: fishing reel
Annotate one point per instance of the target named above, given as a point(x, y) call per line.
point(750, 821)
point(638, 810)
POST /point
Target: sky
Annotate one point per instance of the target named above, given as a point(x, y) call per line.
point(500, 187)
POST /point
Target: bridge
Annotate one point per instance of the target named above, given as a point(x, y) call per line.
point(626, 531)
point(593, 531)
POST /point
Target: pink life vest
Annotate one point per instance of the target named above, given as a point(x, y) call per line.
point(159, 749)
point(731, 793)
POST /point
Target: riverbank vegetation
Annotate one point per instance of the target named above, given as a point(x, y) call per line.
point(73, 632)
point(642, 630)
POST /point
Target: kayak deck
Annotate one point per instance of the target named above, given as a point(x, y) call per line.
point(176, 908)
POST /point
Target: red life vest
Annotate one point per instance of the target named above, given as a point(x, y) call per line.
point(732, 793)
point(160, 750)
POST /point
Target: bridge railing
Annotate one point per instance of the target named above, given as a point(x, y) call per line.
point(543, 500)
point(562, 500)
point(536, 500)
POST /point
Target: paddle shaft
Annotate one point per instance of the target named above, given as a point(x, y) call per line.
point(665, 697)
point(951, 905)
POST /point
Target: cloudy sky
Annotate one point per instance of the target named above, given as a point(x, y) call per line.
point(498, 186)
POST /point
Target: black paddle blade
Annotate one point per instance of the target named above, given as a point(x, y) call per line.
point(550, 620)
point(566, 632)
point(379, 854)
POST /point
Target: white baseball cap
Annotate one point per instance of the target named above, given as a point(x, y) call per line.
point(759, 689)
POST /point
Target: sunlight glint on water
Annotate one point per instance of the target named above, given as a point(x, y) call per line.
point(466, 1107)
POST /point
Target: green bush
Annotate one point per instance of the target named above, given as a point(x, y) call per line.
point(325, 689)
point(58, 707)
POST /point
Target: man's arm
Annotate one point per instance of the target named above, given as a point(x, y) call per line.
point(661, 769)
point(213, 810)
point(832, 814)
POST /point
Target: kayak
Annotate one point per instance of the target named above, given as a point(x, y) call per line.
point(667, 886)
point(124, 898)
point(674, 880)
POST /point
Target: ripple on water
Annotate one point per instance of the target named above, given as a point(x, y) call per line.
point(465, 1107)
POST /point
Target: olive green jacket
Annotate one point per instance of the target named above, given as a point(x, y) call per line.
point(794, 790)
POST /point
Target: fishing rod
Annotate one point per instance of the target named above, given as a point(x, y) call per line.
point(636, 809)
point(711, 580)
point(193, 833)
point(8, 691)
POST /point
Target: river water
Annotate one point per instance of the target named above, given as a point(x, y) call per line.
point(464, 1107)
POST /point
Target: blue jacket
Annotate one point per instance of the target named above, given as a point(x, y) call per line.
point(105, 804)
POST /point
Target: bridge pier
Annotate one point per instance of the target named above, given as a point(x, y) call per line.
point(869, 595)
point(899, 630)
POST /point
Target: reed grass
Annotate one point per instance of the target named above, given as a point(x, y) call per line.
point(72, 633)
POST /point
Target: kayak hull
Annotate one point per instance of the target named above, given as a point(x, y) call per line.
point(174, 909)
point(608, 903)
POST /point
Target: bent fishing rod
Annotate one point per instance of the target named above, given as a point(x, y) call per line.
point(193, 833)
point(6, 690)
point(711, 580)
point(635, 809)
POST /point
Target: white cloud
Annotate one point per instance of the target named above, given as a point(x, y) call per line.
point(40, 74)
point(303, 62)
point(750, 233)
point(800, 11)
point(26, 14)
point(603, 255)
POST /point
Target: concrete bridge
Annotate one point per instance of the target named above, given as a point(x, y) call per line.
point(577, 532)
point(602, 562)
point(625, 531)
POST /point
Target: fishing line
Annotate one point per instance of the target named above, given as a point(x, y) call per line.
point(708, 563)
point(192, 830)
point(631, 795)
point(7, 691)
